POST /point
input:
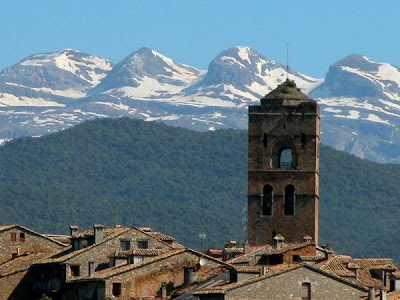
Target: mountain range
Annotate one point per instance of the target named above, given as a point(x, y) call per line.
point(359, 98)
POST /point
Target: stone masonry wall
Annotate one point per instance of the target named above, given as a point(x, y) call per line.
point(31, 243)
point(146, 281)
point(322, 287)
point(100, 253)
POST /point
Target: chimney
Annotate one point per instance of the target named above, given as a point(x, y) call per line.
point(73, 229)
point(163, 291)
point(307, 239)
point(371, 293)
point(98, 233)
point(278, 241)
point(382, 294)
point(246, 246)
point(232, 243)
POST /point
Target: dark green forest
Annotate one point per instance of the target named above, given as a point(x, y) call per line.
point(181, 182)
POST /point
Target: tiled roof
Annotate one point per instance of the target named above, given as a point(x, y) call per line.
point(233, 250)
point(268, 250)
point(160, 236)
point(339, 265)
point(215, 251)
point(70, 253)
point(393, 295)
point(312, 257)
point(20, 263)
point(65, 239)
point(109, 272)
point(247, 269)
point(140, 252)
point(106, 232)
point(272, 271)
point(5, 227)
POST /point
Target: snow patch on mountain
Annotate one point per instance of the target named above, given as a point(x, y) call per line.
point(70, 93)
point(12, 100)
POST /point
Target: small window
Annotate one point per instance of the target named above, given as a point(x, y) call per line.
point(296, 258)
point(13, 237)
point(290, 200)
point(84, 243)
point(22, 236)
point(268, 200)
point(125, 245)
point(75, 271)
point(303, 140)
point(116, 289)
point(143, 244)
point(306, 291)
point(265, 140)
point(91, 268)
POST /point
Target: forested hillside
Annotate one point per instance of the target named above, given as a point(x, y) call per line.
point(181, 182)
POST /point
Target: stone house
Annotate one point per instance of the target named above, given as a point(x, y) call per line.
point(154, 277)
point(89, 253)
point(377, 273)
point(279, 253)
point(20, 247)
point(16, 239)
point(301, 281)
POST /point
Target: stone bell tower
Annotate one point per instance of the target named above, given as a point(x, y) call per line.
point(283, 187)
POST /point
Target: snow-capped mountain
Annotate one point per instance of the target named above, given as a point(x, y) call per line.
point(241, 75)
point(43, 79)
point(47, 92)
point(147, 74)
point(360, 103)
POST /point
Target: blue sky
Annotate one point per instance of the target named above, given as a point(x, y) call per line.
point(193, 32)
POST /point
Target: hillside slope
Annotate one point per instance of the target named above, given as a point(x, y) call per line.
point(181, 182)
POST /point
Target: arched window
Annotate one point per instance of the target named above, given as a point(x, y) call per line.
point(290, 200)
point(265, 140)
point(286, 159)
point(306, 291)
point(268, 200)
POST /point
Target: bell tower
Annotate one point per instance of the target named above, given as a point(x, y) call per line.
point(283, 175)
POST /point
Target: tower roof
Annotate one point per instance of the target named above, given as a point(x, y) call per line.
point(286, 91)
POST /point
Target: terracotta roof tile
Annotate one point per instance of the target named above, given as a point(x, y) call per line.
point(339, 265)
point(247, 269)
point(20, 263)
point(140, 252)
point(233, 250)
